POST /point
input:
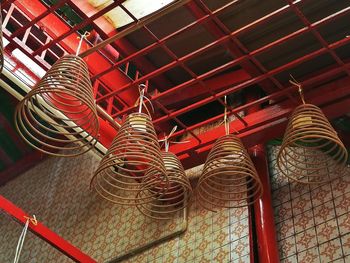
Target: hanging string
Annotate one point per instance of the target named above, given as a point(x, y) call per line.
point(167, 141)
point(85, 35)
point(294, 82)
point(23, 236)
point(141, 100)
point(227, 126)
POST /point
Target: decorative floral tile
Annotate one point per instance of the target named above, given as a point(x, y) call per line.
point(292, 259)
point(285, 229)
point(301, 204)
point(281, 195)
point(202, 246)
point(344, 224)
point(309, 256)
point(186, 253)
point(297, 189)
point(244, 259)
point(221, 254)
point(283, 212)
point(220, 237)
point(324, 212)
point(239, 248)
point(303, 221)
point(306, 240)
point(206, 258)
point(345, 240)
point(341, 185)
point(330, 251)
point(220, 220)
point(321, 194)
point(327, 231)
point(170, 258)
point(237, 214)
point(239, 229)
point(342, 204)
point(287, 247)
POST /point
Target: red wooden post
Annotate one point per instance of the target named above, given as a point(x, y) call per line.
point(264, 216)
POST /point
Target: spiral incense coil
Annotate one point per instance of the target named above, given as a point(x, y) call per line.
point(175, 198)
point(133, 159)
point(229, 178)
point(311, 150)
point(58, 116)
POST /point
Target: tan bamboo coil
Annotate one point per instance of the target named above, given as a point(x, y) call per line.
point(229, 178)
point(58, 116)
point(175, 198)
point(133, 162)
point(311, 150)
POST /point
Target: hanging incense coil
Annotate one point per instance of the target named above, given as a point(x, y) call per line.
point(229, 178)
point(1, 44)
point(175, 198)
point(311, 150)
point(133, 162)
point(58, 116)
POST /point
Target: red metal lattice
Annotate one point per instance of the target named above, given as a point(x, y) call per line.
point(116, 92)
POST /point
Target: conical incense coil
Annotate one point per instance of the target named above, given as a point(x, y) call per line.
point(167, 202)
point(58, 116)
point(133, 159)
point(311, 150)
point(229, 178)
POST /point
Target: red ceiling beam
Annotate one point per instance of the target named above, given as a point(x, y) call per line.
point(236, 61)
point(38, 18)
point(75, 28)
point(190, 26)
point(55, 27)
point(214, 29)
point(268, 123)
point(45, 233)
point(105, 29)
point(215, 84)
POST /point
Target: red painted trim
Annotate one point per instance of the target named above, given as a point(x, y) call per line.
point(45, 233)
point(264, 216)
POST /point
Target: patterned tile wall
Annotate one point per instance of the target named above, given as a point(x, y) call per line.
point(57, 192)
point(312, 222)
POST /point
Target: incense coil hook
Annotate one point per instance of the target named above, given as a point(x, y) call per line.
point(229, 178)
point(167, 201)
point(131, 163)
point(58, 116)
point(311, 150)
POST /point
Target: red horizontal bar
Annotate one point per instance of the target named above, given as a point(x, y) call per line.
point(45, 233)
point(265, 123)
point(225, 66)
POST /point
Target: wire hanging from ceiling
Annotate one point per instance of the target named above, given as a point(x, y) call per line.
point(311, 150)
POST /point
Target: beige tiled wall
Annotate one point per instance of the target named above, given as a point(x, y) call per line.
point(57, 192)
point(312, 222)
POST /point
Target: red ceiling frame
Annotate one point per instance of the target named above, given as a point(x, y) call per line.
point(209, 18)
point(45, 233)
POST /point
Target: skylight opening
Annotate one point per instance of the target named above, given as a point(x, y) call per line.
point(139, 8)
